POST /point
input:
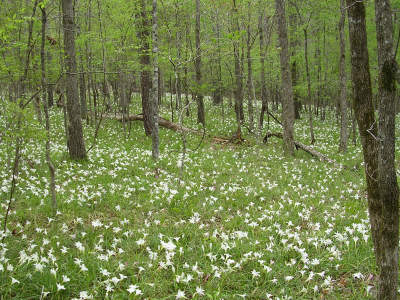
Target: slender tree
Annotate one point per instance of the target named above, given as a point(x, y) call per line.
point(145, 76)
point(343, 80)
point(155, 91)
point(197, 65)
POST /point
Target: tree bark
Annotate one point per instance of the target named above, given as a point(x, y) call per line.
point(238, 69)
point(387, 179)
point(154, 95)
point(343, 81)
point(287, 89)
point(197, 65)
point(52, 187)
point(145, 78)
point(364, 113)
point(264, 106)
point(75, 141)
point(310, 113)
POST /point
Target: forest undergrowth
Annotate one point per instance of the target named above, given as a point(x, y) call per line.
point(239, 221)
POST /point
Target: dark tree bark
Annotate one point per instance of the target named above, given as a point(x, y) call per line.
point(145, 77)
point(197, 64)
point(343, 81)
point(155, 92)
point(264, 107)
point(238, 69)
point(287, 89)
point(382, 232)
point(310, 113)
point(250, 91)
point(389, 192)
point(75, 141)
point(52, 187)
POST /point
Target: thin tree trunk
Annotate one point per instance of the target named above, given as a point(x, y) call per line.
point(238, 70)
point(287, 89)
point(145, 81)
point(264, 106)
point(343, 81)
point(75, 141)
point(197, 64)
point(250, 99)
point(154, 95)
point(310, 113)
point(50, 165)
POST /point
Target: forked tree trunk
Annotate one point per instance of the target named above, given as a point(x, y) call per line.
point(287, 89)
point(75, 141)
point(387, 179)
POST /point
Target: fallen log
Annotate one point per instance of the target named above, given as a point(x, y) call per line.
point(172, 126)
point(305, 148)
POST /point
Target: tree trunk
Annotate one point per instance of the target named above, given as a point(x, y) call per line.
point(52, 187)
point(75, 141)
point(287, 89)
point(264, 102)
point(389, 192)
point(145, 78)
point(197, 65)
point(310, 113)
point(249, 73)
point(364, 112)
point(343, 81)
point(155, 92)
point(238, 70)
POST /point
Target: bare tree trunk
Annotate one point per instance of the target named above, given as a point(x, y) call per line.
point(364, 112)
point(287, 89)
point(154, 95)
point(310, 113)
point(250, 99)
point(389, 191)
point(264, 107)
point(145, 81)
point(197, 64)
point(343, 81)
point(75, 142)
point(238, 70)
point(46, 113)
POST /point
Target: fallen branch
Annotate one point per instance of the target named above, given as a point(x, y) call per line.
point(305, 148)
point(172, 126)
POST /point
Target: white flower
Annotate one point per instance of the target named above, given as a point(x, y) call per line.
point(180, 295)
point(60, 287)
point(199, 291)
point(13, 280)
point(97, 223)
point(255, 273)
point(288, 278)
point(65, 278)
point(80, 246)
point(169, 246)
point(140, 242)
point(132, 288)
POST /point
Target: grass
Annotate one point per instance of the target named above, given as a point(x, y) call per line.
point(242, 222)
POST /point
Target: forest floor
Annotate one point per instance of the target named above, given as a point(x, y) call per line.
point(239, 221)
